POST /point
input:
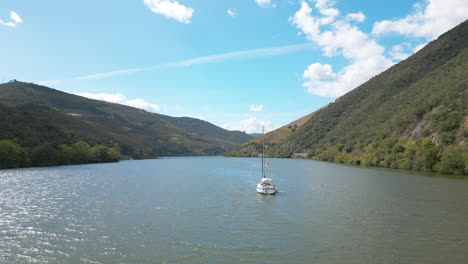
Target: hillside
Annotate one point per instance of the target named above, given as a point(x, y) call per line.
point(253, 147)
point(205, 128)
point(412, 116)
point(133, 130)
point(28, 130)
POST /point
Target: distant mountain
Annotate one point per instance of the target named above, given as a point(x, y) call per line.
point(253, 147)
point(98, 122)
point(255, 134)
point(205, 128)
point(412, 116)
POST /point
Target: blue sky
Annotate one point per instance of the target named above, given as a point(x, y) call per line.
point(237, 64)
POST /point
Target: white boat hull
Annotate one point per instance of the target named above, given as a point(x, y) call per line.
point(267, 190)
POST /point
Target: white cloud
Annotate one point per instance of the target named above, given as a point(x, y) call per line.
point(15, 17)
point(106, 75)
point(359, 17)
point(365, 56)
point(249, 125)
point(232, 12)
point(16, 20)
point(429, 20)
point(265, 3)
point(245, 54)
point(325, 8)
point(418, 47)
point(121, 99)
point(398, 52)
point(256, 108)
point(171, 9)
point(8, 24)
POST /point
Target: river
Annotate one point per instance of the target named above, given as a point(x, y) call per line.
point(206, 210)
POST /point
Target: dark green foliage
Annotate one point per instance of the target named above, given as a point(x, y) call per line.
point(251, 149)
point(205, 128)
point(100, 153)
point(82, 152)
point(454, 161)
point(431, 155)
point(27, 130)
point(12, 155)
point(138, 155)
point(447, 138)
point(45, 155)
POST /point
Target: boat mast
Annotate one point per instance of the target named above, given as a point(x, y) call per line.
point(263, 151)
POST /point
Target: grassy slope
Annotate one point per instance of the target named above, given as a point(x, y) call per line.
point(27, 130)
point(107, 123)
point(254, 146)
point(411, 99)
point(205, 128)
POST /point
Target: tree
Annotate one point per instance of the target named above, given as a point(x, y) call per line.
point(12, 155)
point(83, 152)
point(453, 161)
point(114, 154)
point(67, 155)
point(431, 154)
point(45, 155)
point(99, 153)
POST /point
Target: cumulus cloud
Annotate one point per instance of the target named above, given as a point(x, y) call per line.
point(429, 19)
point(365, 56)
point(171, 9)
point(249, 125)
point(8, 24)
point(418, 47)
point(15, 17)
point(398, 52)
point(256, 108)
point(232, 12)
point(16, 20)
point(359, 17)
point(122, 99)
point(265, 3)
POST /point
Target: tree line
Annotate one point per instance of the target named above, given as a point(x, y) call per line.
point(13, 155)
point(400, 153)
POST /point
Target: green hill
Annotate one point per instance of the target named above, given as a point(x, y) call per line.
point(412, 116)
point(27, 141)
point(97, 122)
point(205, 128)
point(28, 130)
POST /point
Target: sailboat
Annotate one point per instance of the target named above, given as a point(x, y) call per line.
point(265, 186)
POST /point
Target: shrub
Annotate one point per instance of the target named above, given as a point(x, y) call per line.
point(12, 155)
point(453, 161)
point(447, 138)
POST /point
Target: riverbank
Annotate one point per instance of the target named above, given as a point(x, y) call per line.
point(417, 156)
point(13, 155)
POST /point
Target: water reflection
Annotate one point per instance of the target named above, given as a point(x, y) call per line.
point(206, 210)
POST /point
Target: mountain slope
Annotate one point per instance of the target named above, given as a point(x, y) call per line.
point(28, 130)
point(406, 117)
point(133, 129)
point(205, 128)
point(254, 146)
